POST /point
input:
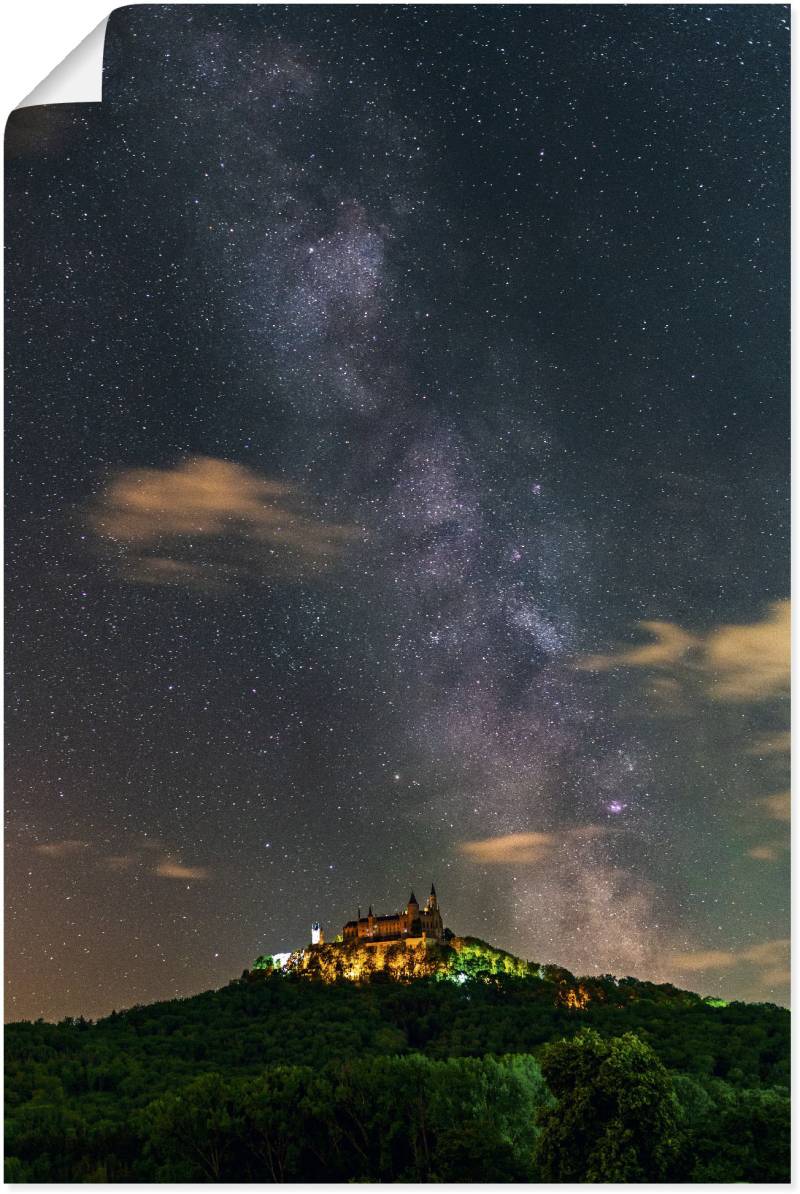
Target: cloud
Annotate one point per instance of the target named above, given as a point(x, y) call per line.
point(511, 847)
point(751, 662)
point(769, 959)
point(531, 846)
point(778, 806)
point(150, 855)
point(703, 959)
point(62, 849)
point(670, 646)
point(772, 744)
point(772, 957)
point(168, 868)
point(767, 852)
point(736, 663)
point(207, 521)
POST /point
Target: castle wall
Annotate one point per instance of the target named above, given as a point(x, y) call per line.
point(405, 926)
point(380, 946)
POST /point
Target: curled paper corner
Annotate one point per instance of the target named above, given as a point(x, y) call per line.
point(76, 80)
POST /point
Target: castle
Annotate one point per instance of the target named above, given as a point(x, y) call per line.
point(414, 923)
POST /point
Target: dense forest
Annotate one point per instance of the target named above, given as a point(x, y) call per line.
point(497, 1072)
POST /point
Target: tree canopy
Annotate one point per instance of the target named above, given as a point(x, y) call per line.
point(285, 1077)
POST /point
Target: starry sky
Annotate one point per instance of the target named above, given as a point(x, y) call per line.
point(396, 442)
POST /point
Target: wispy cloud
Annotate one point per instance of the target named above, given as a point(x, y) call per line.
point(778, 806)
point(771, 745)
point(206, 522)
point(669, 646)
point(66, 848)
point(510, 847)
point(530, 846)
point(769, 960)
point(736, 663)
point(147, 855)
point(751, 662)
point(767, 851)
point(169, 868)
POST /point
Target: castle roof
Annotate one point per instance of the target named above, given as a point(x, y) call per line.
point(412, 908)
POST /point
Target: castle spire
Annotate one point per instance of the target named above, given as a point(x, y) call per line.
point(414, 922)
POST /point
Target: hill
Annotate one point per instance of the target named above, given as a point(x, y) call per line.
point(460, 959)
point(297, 1074)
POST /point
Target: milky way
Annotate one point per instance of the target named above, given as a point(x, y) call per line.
point(397, 420)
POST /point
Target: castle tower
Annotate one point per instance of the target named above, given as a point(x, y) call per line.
point(412, 915)
point(411, 923)
point(317, 935)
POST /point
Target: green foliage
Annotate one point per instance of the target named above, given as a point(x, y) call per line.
point(616, 1116)
point(198, 1124)
point(459, 958)
point(412, 1119)
point(473, 958)
point(733, 1135)
point(285, 1116)
point(283, 1077)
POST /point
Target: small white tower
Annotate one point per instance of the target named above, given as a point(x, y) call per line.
point(317, 935)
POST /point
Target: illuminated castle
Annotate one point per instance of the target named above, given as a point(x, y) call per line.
point(415, 922)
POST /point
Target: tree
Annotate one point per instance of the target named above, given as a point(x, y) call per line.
point(195, 1127)
point(734, 1135)
point(284, 1121)
point(616, 1117)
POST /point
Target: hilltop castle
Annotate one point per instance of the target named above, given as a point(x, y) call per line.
point(414, 923)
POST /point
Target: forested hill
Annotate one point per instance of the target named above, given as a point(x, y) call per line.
point(285, 1076)
point(462, 958)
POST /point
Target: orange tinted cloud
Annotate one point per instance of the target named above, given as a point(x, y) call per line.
point(141, 855)
point(772, 744)
point(778, 806)
point(62, 849)
point(669, 647)
point(704, 959)
point(770, 959)
point(767, 852)
point(168, 868)
point(205, 521)
point(511, 847)
point(750, 662)
point(531, 846)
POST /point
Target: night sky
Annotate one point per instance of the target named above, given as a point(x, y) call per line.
point(397, 435)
